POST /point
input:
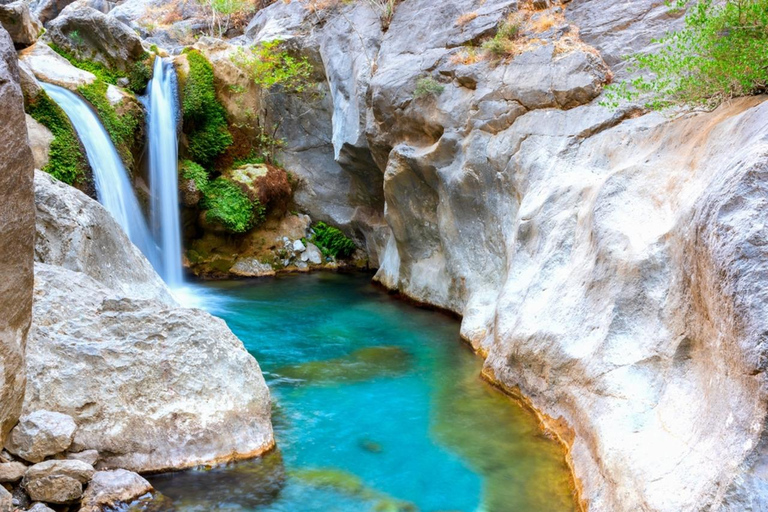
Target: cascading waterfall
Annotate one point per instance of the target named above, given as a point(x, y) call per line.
point(163, 173)
point(113, 188)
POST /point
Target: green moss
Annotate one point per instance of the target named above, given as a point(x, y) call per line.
point(67, 160)
point(195, 172)
point(122, 127)
point(361, 365)
point(139, 74)
point(351, 485)
point(332, 241)
point(205, 119)
point(227, 205)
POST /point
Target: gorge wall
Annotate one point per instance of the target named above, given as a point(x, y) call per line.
point(608, 264)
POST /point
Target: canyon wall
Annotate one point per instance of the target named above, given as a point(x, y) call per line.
point(17, 229)
point(609, 264)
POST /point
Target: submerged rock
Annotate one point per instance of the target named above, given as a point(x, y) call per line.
point(109, 489)
point(360, 365)
point(41, 434)
point(167, 387)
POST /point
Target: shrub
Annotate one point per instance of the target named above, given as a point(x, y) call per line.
point(269, 66)
point(332, 242)
point(101, 71)
point(427, 86)
point(719, 54)
point(205, 120)
point(226, 204)
point(66, 160)
point(139, 73)
point(122, 127)
point(502, 43)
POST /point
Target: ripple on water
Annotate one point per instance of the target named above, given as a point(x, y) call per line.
point(378, 406)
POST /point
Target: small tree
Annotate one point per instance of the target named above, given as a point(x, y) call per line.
point(224, 11)
point(720, 53)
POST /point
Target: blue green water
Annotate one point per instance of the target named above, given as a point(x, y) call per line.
point(378, 407)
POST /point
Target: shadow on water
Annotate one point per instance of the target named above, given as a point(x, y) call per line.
point(378, 407)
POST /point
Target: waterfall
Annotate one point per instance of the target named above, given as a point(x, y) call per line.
point(163, 171)
point(113, 188)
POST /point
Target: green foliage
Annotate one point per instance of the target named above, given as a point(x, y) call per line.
point(501, 44)
point(227, 205)
point(252, 159)
point(224, 11)
point(719, 54)
point(427, 86)
point(269, 66)
point(67, 161)
point(332, 242)
point(122, 128)
point(205, 120)
point(139, 74)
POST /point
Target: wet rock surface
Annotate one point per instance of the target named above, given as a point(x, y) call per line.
point(113, 488)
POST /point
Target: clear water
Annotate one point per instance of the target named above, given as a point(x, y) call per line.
point(379, 407)
point(163, 173)
point(113, 188)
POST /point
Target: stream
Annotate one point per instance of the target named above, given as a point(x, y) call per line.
point(377, 406)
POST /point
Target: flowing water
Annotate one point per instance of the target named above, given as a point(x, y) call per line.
point(379, 407)
point(113, 188)
point(163, 174)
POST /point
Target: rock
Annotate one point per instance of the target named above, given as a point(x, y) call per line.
point(76, 232)
point(91, 35)
point(12, 471)
point(41, 434)
point(87, 456)
point(16, 238)
point(108, 489)
point(40, 507)
point(298, 246)
point(46, 10)
point(40, 139)
point(22, 26)
point(251, 267)
point(312, 255)
point(179, 391)
point(58, 489)
point(6, 500)
point(49, 66)
point(265, 183)
point(79, 470)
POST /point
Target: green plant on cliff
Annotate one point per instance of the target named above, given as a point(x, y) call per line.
point(332, 242)
point(224, 13)
point(427, 86)
point(66, 160)
point(205, 120)
point(268, 65)
point(720, 53)
point(138, 75)
point(122, 127)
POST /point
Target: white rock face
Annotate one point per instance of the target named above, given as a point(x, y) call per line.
point(49, 66)
point(75, 232)
point(111, 488)
point(312, 255)
point(41, 434)
point(167, 387)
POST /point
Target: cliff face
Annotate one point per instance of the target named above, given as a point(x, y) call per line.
point(608, 264)
point(17, 221)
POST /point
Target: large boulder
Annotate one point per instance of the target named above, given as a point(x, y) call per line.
point(22, 26)
point(49, 66)
point(17, 218)
point(110, 489)
point(89, 34)
point(76, 232)
point(41, 434)
point(167, 387)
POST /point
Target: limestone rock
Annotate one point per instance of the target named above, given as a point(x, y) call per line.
point(16, 237)
point(23, 27)
point(298, 246)
point(167, 387)
point(58, 489)
point(99, 37)
point(112, 488)
point(87, 456)
point(40, 139)
point(251, 267)
point(49, 66)
point(46, 10)
point(12, 471)
point(41, 434)
point(312, 255)
point(76, 232)
point(40, 507)
point(79, 470)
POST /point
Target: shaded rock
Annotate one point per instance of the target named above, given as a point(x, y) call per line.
point(87, 456)
point(41, 434)
point(40, 139)
point(6, 500)
point(16, 237)
point(46, 10)
point(179, 390)
point(22, 26)
point(251, 267)
point(12, 471)
point(79, 470)
point(112, 488)
point(91, 35)
point(75, 232)
point(58, 489)
point(49, 66)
